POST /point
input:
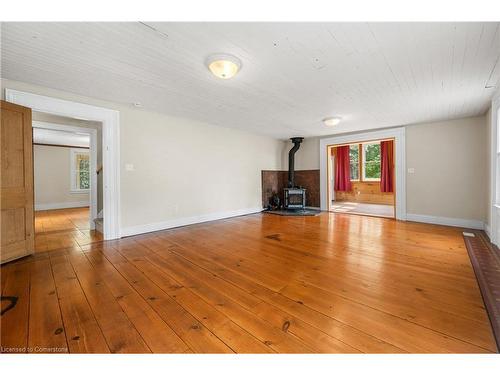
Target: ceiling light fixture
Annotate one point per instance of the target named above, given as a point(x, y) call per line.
point(331, 121)
point(223, 66)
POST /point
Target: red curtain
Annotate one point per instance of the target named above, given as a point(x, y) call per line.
point(387, 166)
point(342, 169)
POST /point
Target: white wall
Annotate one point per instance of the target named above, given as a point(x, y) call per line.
point(182, 168)
point(450, 178)
point(451, 171)
point(52, 179)
point(306, 158)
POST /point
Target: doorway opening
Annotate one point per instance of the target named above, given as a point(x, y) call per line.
point(68, 183)
point(361, 178)
point(110, 120)
point(327, 182)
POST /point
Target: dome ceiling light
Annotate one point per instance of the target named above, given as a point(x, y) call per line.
point(332, 121)
point(223, 66)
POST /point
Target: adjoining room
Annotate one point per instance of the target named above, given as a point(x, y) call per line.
point(362, 178)
point(68, 184)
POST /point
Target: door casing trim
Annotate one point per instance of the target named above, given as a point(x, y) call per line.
point(110, 120)
point(398, 134)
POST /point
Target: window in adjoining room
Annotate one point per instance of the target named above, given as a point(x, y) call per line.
point(371, 161)
point(80, 171)
point(354, 161)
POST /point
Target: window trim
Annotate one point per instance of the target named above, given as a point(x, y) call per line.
point(72, 171)
point(359, 165)
point(362, 175)
point(361, 162)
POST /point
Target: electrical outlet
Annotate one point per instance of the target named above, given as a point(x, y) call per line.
point(411, 170)
point(129, 167)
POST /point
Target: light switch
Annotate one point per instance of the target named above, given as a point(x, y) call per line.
point(411, 170)
point(129, 167)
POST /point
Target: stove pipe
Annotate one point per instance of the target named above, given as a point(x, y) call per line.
point(291, 160)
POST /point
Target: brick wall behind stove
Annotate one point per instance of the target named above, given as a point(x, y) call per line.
point(309, 180)
point(276, 181)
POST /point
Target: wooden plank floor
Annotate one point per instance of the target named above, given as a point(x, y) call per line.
point(333, 283)
point(360, 208)
point(57, 229)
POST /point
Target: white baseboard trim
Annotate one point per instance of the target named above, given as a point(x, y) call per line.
point(153, 227)
point(452, 222)
point(487, 229)
point(57, 206)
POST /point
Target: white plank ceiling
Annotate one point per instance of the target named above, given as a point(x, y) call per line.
point(293, 75)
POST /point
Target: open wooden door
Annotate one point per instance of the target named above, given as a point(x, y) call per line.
point(16, 182)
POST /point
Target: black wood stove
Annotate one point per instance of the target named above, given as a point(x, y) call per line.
point(294, 196)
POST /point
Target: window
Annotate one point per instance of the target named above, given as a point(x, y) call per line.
point(371, 161)
point(354, 162)
point(80, 171)
point(365, 161)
